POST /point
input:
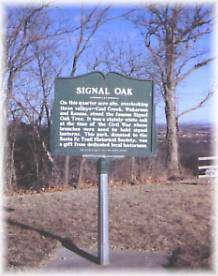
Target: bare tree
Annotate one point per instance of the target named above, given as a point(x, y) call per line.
point(89, 24)
point(30, 68)
point(171, 36)
point(19, 38)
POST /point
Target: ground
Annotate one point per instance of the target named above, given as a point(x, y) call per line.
point(174, 218)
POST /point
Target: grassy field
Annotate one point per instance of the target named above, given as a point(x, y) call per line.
point(174, 218)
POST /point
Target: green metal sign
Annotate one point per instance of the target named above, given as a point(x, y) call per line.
point(98, 115)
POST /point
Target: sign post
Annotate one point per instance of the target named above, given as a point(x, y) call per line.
point(103, 116)
point(103, 212)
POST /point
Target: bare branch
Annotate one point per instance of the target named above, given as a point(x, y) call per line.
point(194, 68)
point(89, 24)
point(199, 105)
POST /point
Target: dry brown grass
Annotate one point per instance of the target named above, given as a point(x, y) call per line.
point(174, 218)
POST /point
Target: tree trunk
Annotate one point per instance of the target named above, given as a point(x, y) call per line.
point(9, 148)
point(81, 171)
point(133, 170)
point(171, 136)
point(66, 171)
point(10, 175)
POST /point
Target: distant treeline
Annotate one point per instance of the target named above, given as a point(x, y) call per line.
point(29, 165)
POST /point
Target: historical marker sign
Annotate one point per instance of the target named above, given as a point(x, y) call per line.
point(102, 116)
point(99, 115)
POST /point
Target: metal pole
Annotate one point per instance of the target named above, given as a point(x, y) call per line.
point(103, 224)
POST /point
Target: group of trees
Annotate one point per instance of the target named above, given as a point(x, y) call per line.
point(38, 48)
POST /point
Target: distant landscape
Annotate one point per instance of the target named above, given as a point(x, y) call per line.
point(199, 132)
